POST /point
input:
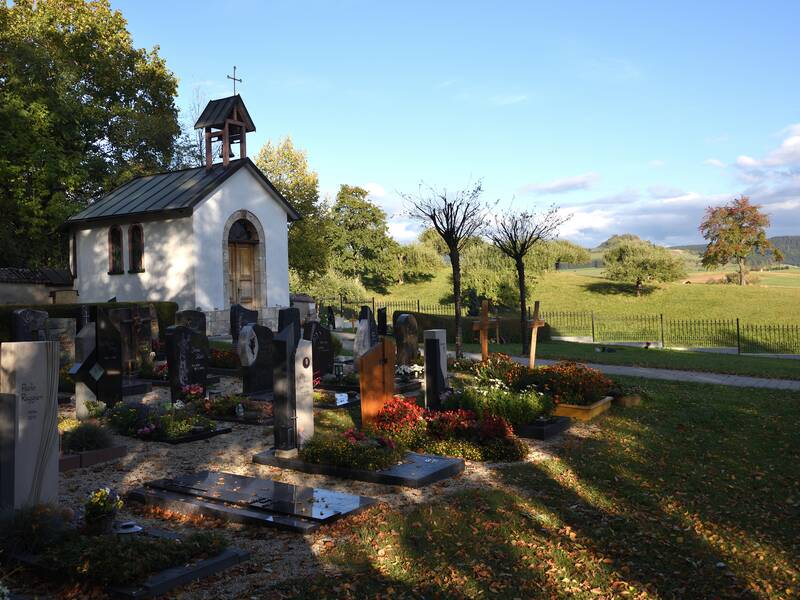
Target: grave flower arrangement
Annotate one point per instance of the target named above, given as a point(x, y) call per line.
point(235, 405)
point(568, 383)
point(100, 510)
point(408, 372)
point(158, 423)
point(223, 359)
point(193, 392)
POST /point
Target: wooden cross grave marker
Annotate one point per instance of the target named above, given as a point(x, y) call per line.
point(535, 324)
point(482, 326)
point(376, 378)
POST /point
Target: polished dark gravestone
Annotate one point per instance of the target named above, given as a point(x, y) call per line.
point(107, 369)
point(187, 359)
point(321, 348)
point(383, 327)
point(331, 318)
point(416, 470)
point(136, 326)
point(435, 367)
point(290, 317)
point(255, 354)
point(193, 319)
point(366, 315)
point(81, 371)
point(241, 316)
point(28, 325)
point(406, 336)
point(249, 500)
point(284, 403)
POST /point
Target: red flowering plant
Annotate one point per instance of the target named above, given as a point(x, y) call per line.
point(446, 424)
point(568, 382)
point(498, 369)
point(401, 420)
point(193, 392)
point(161, 371)
point(224, 359)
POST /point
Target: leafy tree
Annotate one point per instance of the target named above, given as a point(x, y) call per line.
point(516, 234)
point(287, 168)
point(418, 262)
point(457, 217)
point(330, 285)
point(359, 240)
point(488, 273)
point(82, 111)
point(735, 231)
point(563, 251)
point(641, 262)
point(430, 237)
point(618, 239)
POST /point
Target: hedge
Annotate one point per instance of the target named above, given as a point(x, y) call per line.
point(165, 311)
point(509, 327)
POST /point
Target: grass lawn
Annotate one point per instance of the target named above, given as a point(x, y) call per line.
point(776, 368)
point(693, 494)
point(586, 290)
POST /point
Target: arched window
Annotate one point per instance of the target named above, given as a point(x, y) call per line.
point(135, 249)
point(242, 232)
point(115, 265)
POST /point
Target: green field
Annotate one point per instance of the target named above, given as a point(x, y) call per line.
point(586, 290)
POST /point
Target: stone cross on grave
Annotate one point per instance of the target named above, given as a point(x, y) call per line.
point(482, 326)
point(535, 324)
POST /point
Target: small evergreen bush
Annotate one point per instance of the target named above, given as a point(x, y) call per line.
point(84, 437)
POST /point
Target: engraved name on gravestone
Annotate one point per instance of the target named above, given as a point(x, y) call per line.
point(255, 355)
point(435, 367)
point(321, 348)
point(241, 316)
point(406, 336)
point(63, 332)
point(187, 359)
point(304, 392)
point(28, 325)
point(28, 424)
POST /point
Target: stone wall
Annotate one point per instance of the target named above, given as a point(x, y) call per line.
point(218, 322)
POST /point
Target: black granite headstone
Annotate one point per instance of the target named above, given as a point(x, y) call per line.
point(193, 319)
point(435, 379)
point(241, 316)
point(136, 336)
point(255, 355)
point(406, 335)
point(321, 348)
point(107, 371)
point(283, 391)
point(290, 317)
point(366, 315)
point(187, 359)
point(28, 325)
point(331, 318)
point(383, 328)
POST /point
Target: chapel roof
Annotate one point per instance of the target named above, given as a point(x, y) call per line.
point(216, 111)
point(45, 275)
point(174, 193)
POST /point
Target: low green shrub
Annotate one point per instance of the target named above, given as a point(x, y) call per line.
point(156, 423)
point(95, 408)
point(86, 436)
point(345, 450)
point(518, 408)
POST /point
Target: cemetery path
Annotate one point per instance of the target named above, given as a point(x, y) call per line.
point(650, 373)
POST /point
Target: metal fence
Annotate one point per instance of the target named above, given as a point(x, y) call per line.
point(745, 337)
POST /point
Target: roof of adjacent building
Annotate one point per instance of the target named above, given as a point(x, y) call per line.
point(216, 111)
point(171, 193)
point(44, 275)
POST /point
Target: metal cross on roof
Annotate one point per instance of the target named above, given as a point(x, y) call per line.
point(234, 79)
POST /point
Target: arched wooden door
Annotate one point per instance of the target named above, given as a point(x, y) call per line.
point(242, 246)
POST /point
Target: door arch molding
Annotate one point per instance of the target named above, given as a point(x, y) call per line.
point(260, 259)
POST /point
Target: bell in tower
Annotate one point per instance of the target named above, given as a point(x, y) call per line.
point(228, 121)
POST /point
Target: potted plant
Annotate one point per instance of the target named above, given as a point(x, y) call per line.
point(100, 511)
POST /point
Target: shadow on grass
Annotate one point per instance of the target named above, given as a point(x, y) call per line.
point(614, 288)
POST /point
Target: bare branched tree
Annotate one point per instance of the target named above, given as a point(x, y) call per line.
point(515, 234)
point(457, 217)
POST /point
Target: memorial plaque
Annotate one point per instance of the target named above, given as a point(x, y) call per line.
point(241, 316)
point(28, 424)
point(63, 332)
point(435, 367)
point(376, 379)
point(283, 392)
point(255, 355)
point(290, 317)
point(29, 325)
point(304, 391)
point(383, 327)
point(109, 358)
point(187, 359)
point(193, 319)
point(321, 348)
point(406, 336)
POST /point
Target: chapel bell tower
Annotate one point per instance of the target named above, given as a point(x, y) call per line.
point(226, 120)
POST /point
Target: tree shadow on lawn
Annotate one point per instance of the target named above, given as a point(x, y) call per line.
point(614, 288)
point(665, 493)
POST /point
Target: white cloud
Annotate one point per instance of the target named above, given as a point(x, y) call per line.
point(787, 154)
point(376, 190)
point(403, 231)
point(714, 162)
point(561, 186)
point(656, 163)
point(508, 99)
point(746, 162)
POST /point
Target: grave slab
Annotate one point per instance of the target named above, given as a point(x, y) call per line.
point(417, 470)
point(543, 430)
point(250, 500)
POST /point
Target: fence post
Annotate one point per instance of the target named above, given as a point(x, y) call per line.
point(593, 327)
point(341, 304)
point(738, 338)
point(662, 330)
point(373, 305)
point(417, 304)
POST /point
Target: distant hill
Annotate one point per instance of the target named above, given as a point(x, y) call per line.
point(616, 239)
point(789, 245)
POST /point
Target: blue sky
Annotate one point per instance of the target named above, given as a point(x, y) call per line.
point(632, 116)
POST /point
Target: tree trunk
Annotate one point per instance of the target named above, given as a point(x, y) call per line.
point(455, 261)
point(638, 287)
point(523, 308)
point(741, 272)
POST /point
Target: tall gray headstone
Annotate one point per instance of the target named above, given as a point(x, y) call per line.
point(63, 332)
point(304, 391)
point(406, 335)
point(28, 424)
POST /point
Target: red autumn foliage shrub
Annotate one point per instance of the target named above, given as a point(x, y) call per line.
point(450, 423)
point(569, 383)
point(493, 427)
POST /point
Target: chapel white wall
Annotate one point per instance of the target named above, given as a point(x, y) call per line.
point(240, 192)
point(169, 265)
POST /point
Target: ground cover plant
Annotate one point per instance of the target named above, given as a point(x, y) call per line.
point(62, 549)
point(157, 423)
point(84, 437)
point(233, 405)
point(693, 495)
